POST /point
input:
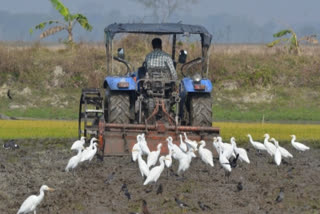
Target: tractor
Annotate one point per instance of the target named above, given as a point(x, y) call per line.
point(149, 101)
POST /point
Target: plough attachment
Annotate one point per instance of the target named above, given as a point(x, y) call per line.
point(118, 139)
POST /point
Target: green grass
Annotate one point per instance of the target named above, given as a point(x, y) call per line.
point(45, 113)
point(292, 81)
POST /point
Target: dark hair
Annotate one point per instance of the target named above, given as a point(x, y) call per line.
point(156, 43)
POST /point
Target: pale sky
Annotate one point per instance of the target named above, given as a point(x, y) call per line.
point(261, 11)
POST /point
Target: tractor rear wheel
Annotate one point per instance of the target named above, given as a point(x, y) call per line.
point(118, 108)
point(201, 110)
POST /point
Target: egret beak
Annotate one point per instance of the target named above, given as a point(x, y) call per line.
point(51, 189)
point(167, 159)
point(135, 150)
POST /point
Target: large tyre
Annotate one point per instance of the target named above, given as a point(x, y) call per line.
point(118, 108)
point(201, 110)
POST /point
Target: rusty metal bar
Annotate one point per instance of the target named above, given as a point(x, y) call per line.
point(154, 127)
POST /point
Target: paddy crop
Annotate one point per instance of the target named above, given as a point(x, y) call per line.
point(281, 132)
point(13, 129)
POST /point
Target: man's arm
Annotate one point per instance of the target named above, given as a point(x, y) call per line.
point(173, 72)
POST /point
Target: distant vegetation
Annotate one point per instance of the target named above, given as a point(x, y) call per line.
point(251, 82)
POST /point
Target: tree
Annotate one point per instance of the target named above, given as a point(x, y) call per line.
point(69, 21)
point(292, 42)
point(163, 9)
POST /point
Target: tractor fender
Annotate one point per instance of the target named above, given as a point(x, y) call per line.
point(112, 83)
point(187, 85)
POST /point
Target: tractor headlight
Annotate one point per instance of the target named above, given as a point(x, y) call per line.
point(196, 78)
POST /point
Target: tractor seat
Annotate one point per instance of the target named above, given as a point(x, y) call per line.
point(159, 73)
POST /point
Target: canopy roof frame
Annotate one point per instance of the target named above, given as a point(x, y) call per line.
point(159, 29)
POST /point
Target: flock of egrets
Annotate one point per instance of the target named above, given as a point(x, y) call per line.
point(84, 154)
point(228, 154)
point(183, 153)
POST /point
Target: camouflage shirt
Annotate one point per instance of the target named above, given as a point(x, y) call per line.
point(160, 59)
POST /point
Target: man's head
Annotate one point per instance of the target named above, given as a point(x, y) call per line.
point(157, 43)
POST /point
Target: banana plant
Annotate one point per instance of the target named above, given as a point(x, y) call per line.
point(69, 20)
point(292, 42)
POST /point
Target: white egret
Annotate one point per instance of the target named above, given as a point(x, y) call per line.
point(31, 203)
point(243, 156)
point(271, 148)
point(284, 152)
point(277, 154)
point(216, 144)
point(75, 160)
point(185, 160)
point(155, 172)
point(89, 154)
point(176, 151)
point(91, 143)
point(224, 162)
point(191, 143)
point(135, 150)
point(143, 145)
point(153, 156)
point(168, 160)
point(182, 145)
point(205, 154)
point(78, 143)
point(87, 149)
point(298, 146)
point(144, 169)
point(226, 148)
point(257, 145)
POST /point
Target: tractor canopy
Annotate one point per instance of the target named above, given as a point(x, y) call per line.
point(159, 29)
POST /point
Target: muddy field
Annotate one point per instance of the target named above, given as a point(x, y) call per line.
point(37, 162)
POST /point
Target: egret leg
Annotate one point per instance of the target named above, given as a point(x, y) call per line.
point(34, 212)
point(227, 175)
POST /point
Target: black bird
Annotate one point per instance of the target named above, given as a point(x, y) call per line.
point(160, 189)
point(9, 94)
point(144, 207)
point(239, 186)
point(204, 206)
point(109, 178)
point(148, 190)
point(124, 188)
point(127, 194)
point(290, 170)
point(172, 173)
point(280, 196)
point(233, 161)
point(180, 203)
point(11, 145)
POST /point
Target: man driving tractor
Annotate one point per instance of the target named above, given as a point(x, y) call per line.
point(158, 59)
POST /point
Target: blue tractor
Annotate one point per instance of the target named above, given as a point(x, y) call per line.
point(148, 100)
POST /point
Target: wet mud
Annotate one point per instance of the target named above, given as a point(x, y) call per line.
point(98, 187)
